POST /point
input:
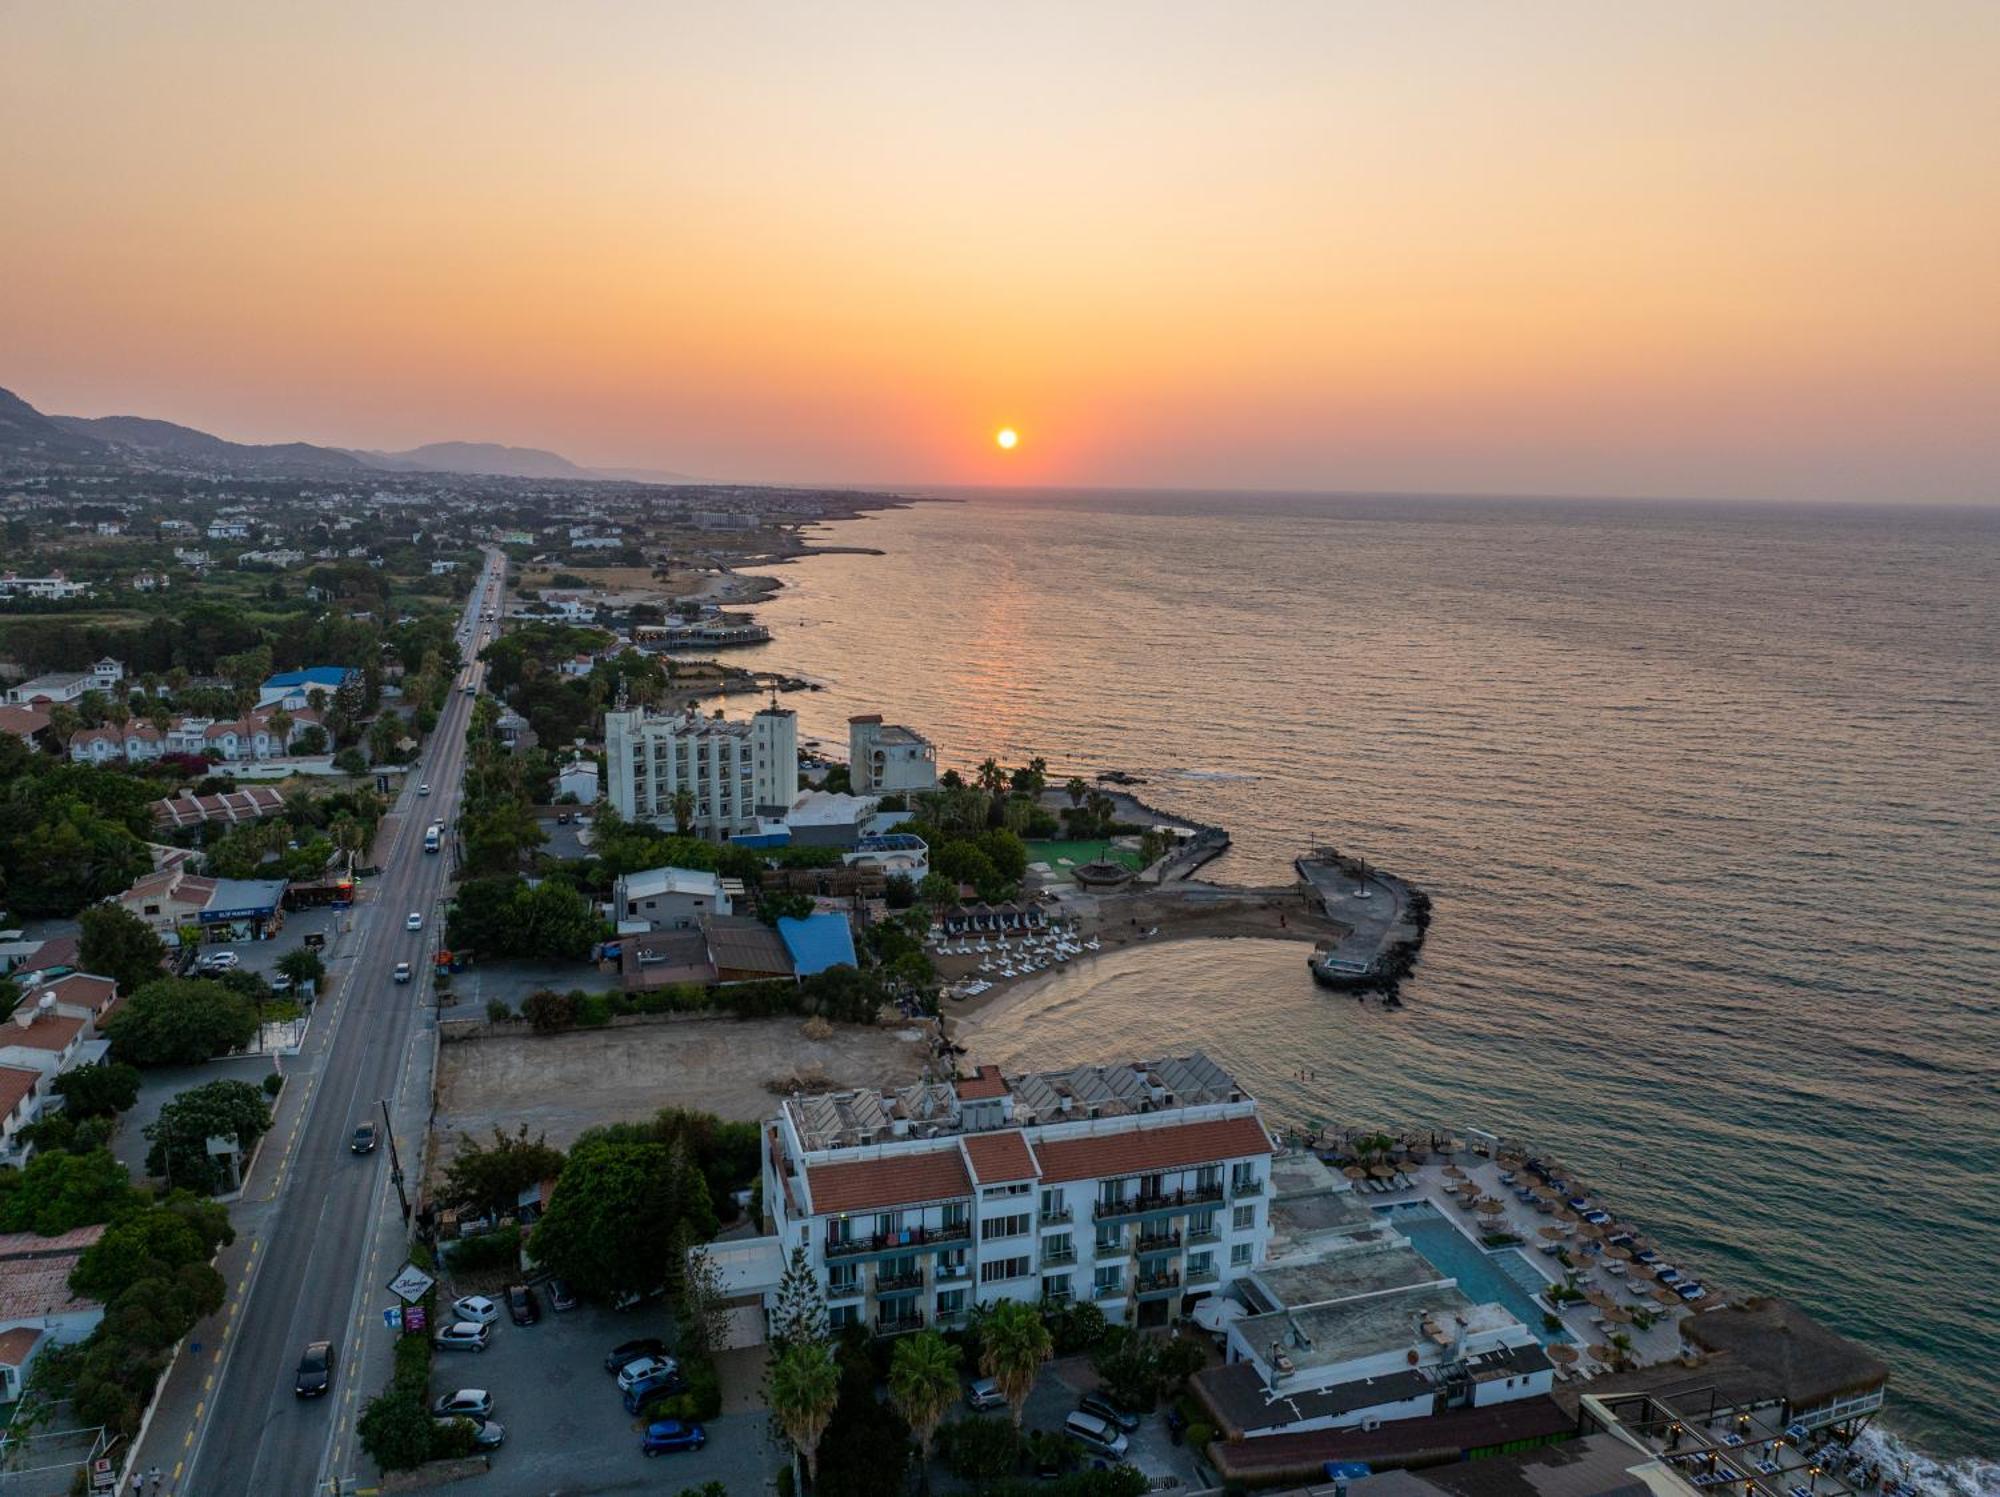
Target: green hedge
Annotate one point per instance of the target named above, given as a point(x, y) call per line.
point(501, 1249)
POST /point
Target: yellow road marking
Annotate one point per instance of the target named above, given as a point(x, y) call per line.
point(179, 1466)
point(208, 1383)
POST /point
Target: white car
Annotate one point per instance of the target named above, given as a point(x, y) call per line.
point(423, 790)
point(464, 1335)
point(633, 1373)
point(219, 961)
point(476, 1308)
point(415, 922)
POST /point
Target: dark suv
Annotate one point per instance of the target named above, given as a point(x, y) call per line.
point(315, 1370)
point(523, 1305)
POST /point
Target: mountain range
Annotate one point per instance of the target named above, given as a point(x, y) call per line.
point(28, 435)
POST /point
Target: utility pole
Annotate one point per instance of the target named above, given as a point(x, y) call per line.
point(395, 1163)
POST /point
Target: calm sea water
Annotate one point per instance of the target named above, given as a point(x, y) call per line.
point(1706, 796)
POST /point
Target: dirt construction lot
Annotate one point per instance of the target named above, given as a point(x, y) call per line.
point(562, 1084)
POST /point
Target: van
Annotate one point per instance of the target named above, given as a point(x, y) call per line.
point(1093, 1433)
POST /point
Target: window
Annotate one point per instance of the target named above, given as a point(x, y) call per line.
point(1239, 1255)
point(1055, 1288)
point(1208, 1177)
point(1110, 1279)
point(1110, 1240)
point(1201, 1224)
point(951, 1302)
point(842, 1315)
point(1003, 1268)
point(1003, 1226)
point(1200, 1266)
point(1054, 1208)
point(1244, 1219)
point(843, 1278)
point(954, 1214)
point(1018, 1188)
point(1243, 1180)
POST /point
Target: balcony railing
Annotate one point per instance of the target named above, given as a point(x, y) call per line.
point(891, 1283)
point(1239, 1189)
point(946, 1272)
point(1108, 1291)
point(1158, 1283)
point(1058, 1259)
point(888, 1242)
point(948, 1318)
point(1159, 1242)
point(1056, 1217)
point(847, 1289)
point(897, 1325)
point(1201, 1275)
point(1170, 1200)
point(1209, 1233)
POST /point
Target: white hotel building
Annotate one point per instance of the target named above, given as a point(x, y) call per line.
point(739, 771)
point(1138, 1187)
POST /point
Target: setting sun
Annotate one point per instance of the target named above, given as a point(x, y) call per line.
point(1007, 437)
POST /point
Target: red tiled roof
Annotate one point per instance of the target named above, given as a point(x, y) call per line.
point(1139, 1150)
point(50, 1032)
point(24, 722)
point(60, 951)
point(1000, 1156)
point(986, 1084)
point(878, 1184)
point(15, 1084)
point(17, 1345)
point(84, 990)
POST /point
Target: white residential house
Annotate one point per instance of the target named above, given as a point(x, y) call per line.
point(579, 778)
point(737, 771)
point(228, 530)
point(885, 759)
point(1138, 1187)
point(67, 686)
point(667, 899)
point(148, 582)
point(54, 588)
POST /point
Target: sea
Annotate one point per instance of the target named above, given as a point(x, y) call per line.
point(1707, 796)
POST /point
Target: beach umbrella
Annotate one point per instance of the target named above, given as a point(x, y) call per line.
point(1617, 1314)
point(1560, 1352)
point(1382, 1171)
point(1452, 1171)
point(1355, 1172)
point(1563, 1213)
point(1665, 1295)
point(1552, 1233)
point(1598, 1298)
point(1491, 1207)
point(1589, 1229)
point(1600, 1351)
point(1624, 1254)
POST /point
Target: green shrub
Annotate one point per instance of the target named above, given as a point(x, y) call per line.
point(501, 1249)
point(593, 1010)
point(273, 1084)
point(413, 1364)
point(786, 1487)
point(1199, 1435)
point(498, 1012)
point(549, 1012)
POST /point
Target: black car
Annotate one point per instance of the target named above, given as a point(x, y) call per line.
point(363, 1141)
point(1109, 1412)
point(627, 1352)
point(522, 1304)
point(315, 1370)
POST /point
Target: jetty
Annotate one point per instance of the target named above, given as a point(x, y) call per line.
point(1384, 917)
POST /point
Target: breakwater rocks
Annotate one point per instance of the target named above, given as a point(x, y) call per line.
point(1386, 920)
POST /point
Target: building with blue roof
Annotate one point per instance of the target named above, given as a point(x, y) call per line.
point(293, 689)
point(817, 942)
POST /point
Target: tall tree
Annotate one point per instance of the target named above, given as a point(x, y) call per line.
point(800, 1314)
point(923, 1384)
point(804, 1387)
point(1013, 1345)
point(117, 944)
point(683, 810)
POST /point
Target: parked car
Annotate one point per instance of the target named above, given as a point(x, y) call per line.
point(415, 922)
point(651, 1389)
point(463, 1335)
point(522, 1306)
point(561, 1296)
point(476, 1308)
point(219, 961)
point(671, 1434)
point(402, 971)
point(985, 1394)
point(625, 1353)
point(363, 1141)
point(474, 1403)
point(315, 1373)
point(643, 1368)
point(485, 1433)
point(423, 790)
point(1109, 1412)
point(280, 985)
point(1095, 1435)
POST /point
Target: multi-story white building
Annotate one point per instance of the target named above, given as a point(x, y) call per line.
point(1137, 1187)
point(67, 686)
point(54, 588)
point(738, 771)
point(884, 759)
point(240, 741)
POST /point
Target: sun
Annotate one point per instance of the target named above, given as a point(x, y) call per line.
point(1007, 438)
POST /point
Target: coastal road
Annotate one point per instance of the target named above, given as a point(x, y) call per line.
point(300, 1279)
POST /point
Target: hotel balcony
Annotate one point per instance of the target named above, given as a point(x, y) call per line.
point(1158, 1283)
point(947, 1273)
point(1057, 1217)
point(1209, 1233)
point(895, 1283)
point(851, 1289)
point(1108, 1291)
point(1058, 1260)
point(1167, 1201)
point(899, 1324)
point(947, 1319)
point(1201, 1276)
point(1243, 1190)
point(910, 1237)
point(1159, 1242)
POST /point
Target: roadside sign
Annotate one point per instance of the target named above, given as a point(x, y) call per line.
point(411, 1285)
point(414, 1318)
point(393, 1317)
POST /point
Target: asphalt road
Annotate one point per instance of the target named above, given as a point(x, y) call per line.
point(304, 1284)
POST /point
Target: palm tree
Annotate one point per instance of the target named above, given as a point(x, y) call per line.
point(805, 1385)
point(923, 1383)
point(1076, 790)
point(991, 780)
point(683, 810)
point(1013, 1345)
point(281, 728)
point(64, 724)
point(177, 679)
point(117, 713)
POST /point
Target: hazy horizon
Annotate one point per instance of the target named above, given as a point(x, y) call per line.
point(1555, 250)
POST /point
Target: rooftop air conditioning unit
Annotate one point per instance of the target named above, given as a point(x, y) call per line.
point(1370, 1423)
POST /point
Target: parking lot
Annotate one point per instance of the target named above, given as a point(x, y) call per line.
point(568, 1433)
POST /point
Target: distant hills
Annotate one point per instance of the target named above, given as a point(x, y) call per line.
point(27, 435)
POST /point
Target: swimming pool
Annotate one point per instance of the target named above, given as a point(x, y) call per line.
point(1482, 1275)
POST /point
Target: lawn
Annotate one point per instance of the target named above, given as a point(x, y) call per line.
point(1053, 853)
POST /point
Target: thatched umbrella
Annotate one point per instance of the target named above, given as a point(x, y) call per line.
point(1354, 1172)
point(1665, 1295)
point(1382, 1171)
point(1622, 1254)
point(1600, 1351)
point(1453, 1172)
point(1617, 1314)
point(1553, 1233)
point(1562, 1351)
point(1589, 1229)
point(1563, 1213)
point(1598, 1298)
point(1490, 1207)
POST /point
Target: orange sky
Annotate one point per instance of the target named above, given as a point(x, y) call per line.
point(1730, 248)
